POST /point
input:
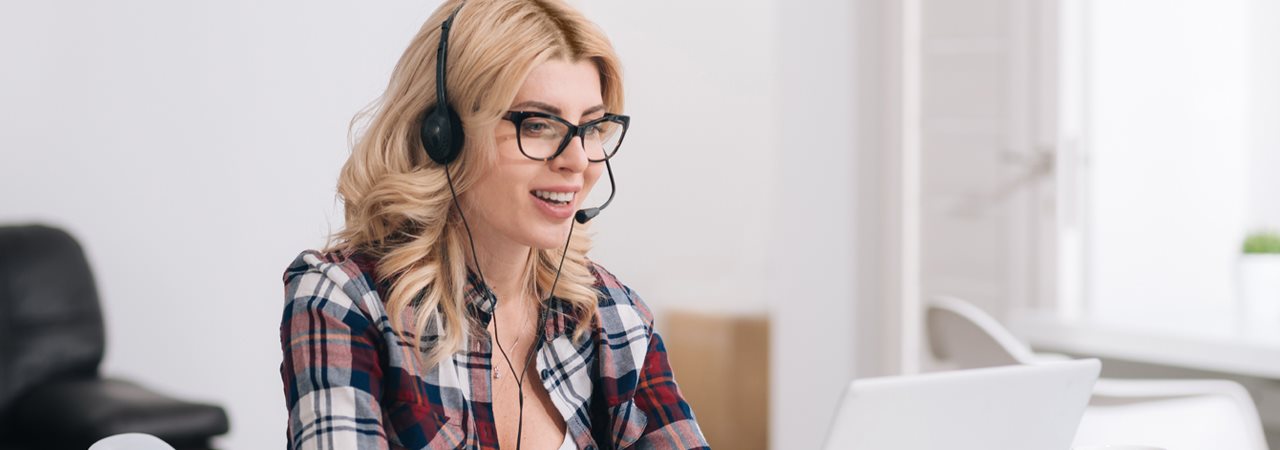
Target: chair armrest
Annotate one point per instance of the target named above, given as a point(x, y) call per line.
point(79, 412)
point(1121, 389)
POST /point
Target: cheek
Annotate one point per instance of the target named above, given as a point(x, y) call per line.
point(592, 175)
point(493, 190)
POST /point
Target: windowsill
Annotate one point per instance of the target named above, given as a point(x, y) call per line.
point(1217, 344)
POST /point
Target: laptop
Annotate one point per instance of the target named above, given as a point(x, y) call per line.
point(1029, 407)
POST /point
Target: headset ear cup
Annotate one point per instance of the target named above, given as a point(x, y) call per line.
point(457, 137)
point(441, 135)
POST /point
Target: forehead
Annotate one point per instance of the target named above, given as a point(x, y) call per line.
point(571, 87)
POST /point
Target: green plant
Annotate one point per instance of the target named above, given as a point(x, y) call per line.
point(1262, 242)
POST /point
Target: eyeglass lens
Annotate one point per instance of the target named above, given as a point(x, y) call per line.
point(541, 138)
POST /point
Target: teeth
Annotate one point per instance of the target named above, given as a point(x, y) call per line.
point(562, 197)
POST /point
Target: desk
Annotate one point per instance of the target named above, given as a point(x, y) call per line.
point(1213, 343)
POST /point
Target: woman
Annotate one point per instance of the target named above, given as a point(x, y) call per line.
point(458, 308)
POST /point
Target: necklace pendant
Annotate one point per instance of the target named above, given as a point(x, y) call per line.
point(497, 372)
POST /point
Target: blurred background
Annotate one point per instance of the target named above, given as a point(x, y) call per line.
point(798, 180)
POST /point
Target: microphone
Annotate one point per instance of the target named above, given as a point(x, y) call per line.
point(587, 214)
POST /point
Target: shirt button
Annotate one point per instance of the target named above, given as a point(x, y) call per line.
point(546, 373)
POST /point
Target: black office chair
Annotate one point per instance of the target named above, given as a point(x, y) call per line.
point(51, 343)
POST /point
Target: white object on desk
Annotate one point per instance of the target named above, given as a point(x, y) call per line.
point(1015, 407)
point(130, 441)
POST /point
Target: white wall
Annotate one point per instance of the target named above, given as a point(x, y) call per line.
point(696, 177)
point(812, 271)
point(193, 148)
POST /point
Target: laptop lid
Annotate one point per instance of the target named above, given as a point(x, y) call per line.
point(1029, 407)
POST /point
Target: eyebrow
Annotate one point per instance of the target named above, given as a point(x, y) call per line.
point(553, 109)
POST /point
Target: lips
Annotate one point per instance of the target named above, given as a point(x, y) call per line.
point(557, 211)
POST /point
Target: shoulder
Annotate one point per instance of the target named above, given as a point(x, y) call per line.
point(337, 283)
point(619, 307)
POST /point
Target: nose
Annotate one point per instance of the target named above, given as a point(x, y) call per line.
point(573, 159)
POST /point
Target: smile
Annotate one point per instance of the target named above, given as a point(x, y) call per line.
point(558, 198)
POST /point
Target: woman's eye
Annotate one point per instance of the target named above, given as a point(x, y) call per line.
point(532, 128)
point(593, 130)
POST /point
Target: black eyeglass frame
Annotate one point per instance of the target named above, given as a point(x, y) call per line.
point(516, 117)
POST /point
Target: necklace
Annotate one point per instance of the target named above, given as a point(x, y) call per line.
point(497, 369)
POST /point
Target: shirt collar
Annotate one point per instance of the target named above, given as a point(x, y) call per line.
point(481, 301)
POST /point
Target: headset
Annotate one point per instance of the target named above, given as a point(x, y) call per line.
point(442, 135)
point(442, 139)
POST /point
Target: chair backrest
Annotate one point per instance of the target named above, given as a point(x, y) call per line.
point(966, 337)
point(50, 320)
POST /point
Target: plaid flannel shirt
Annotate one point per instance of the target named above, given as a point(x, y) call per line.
point(351, 382)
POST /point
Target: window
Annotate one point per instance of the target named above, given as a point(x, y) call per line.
point(1175, 110)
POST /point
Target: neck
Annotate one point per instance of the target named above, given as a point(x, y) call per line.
point(503, 266)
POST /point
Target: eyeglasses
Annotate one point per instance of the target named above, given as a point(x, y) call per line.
point(542, 136)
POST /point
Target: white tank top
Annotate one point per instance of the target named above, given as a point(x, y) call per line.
point(568, 441)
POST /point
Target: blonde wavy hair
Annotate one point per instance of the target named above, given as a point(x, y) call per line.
point(397, 203)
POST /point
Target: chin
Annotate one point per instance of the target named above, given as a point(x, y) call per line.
point(550, 238)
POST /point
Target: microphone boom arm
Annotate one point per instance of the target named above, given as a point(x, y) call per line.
point(585, 215)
